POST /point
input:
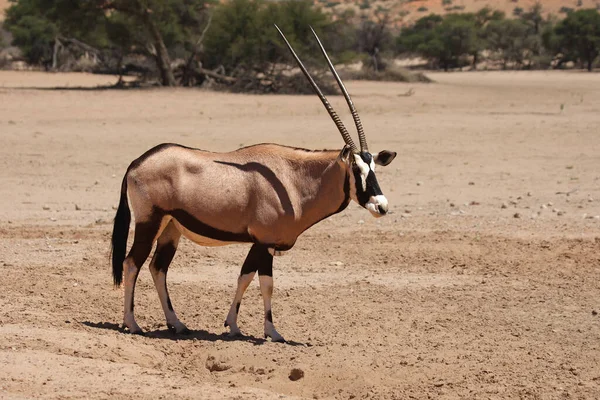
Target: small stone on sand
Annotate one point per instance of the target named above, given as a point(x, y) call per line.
point(296, 374)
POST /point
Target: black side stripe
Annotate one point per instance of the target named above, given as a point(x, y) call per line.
point(200, 228)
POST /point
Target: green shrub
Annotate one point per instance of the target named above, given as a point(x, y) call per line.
point(577, 37)
point(364, 5)
point(242, 36)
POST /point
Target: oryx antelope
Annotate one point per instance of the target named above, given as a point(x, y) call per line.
point(266, 194)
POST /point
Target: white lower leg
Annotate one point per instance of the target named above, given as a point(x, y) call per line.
point(130, 276)
point(231, 320)
point(160, 282)
point(266, 288)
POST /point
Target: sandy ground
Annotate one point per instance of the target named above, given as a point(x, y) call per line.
point(450, 296)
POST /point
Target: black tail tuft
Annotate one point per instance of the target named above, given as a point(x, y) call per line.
point(119, 235)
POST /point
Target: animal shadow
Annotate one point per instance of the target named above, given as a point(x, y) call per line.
point(199, 334)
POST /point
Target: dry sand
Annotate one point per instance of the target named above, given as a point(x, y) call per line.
point(450, 296)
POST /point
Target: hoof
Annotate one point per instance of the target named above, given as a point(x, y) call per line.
point(135, 331)
point(181, 330)
point(234, 333)
point(185, 332)
point(277, 339)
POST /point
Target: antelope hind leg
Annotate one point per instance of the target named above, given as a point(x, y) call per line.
point(142, 245)
point(165, 251)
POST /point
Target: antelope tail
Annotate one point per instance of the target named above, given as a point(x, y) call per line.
point(119, 235)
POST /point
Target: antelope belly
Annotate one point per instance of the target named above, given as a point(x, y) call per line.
point(199, 239)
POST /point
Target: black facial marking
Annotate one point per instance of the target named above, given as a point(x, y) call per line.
point(258, 259)
point(373, 185)
point(360, 190)
point(364, 194)
point(269, 316)
point(366, 157)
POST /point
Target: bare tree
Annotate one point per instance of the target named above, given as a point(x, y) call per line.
point(138, 10)
point(374, 37)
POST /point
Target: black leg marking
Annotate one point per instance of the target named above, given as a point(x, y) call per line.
point(164, 256)
point(237, 311)
point(138, 254)
point(258, 259)
point(132, 304)
point(162, 259)
point(267, 268)
point(143, 239)
point(269, 316)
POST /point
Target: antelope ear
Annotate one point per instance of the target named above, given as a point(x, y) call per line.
point(344, 155)
point(384, 157)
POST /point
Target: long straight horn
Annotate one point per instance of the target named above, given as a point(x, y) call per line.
point(328, 107)
point(359, 127)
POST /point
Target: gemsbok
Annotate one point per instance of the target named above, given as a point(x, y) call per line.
point(266, 194)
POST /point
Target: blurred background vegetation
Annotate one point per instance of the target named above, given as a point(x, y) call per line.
point(233, 43)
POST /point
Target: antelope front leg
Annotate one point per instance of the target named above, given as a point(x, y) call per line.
point(265, 275)
point(253, 260)
point(266, 288)
point(243, 282)
point(258, 259)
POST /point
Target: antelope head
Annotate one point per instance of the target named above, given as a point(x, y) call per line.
point(364, 188)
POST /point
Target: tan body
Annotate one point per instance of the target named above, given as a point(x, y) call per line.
point(269, 192)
